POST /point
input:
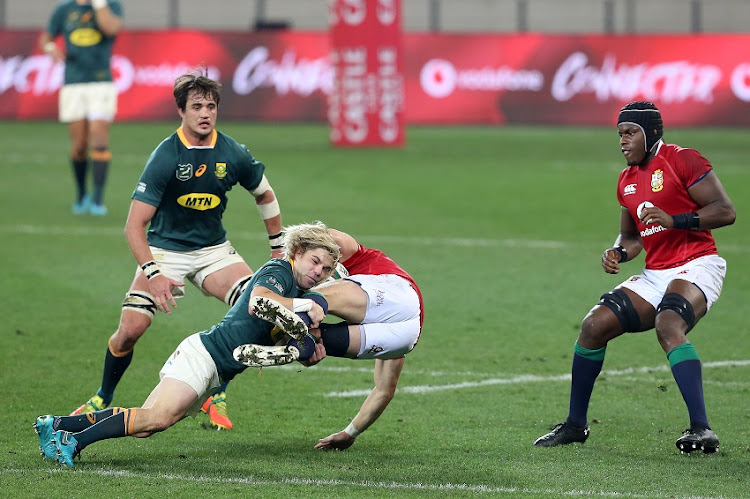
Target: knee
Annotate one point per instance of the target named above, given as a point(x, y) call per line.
point(128, 333)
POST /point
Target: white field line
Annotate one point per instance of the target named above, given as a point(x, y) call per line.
point(442, 487)
point(529, 378)
point(473, 242)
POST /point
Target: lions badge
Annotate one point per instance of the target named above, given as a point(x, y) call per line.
point(657, 180)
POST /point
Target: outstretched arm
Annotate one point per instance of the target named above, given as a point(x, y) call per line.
point(346, 243)
point(387, 372)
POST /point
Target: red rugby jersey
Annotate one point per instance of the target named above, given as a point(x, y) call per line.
point(664, 181)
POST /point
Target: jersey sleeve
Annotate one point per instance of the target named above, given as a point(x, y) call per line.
point(155, 176)
point(277, 277)
point(115, 7)
point(55, 25)
point(620, 198)
point(252, 170)
point(691, 166)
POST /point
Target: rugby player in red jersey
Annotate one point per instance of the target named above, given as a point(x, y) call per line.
point(671, 198)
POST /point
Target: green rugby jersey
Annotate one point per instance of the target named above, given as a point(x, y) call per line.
point(238, 327)
point(188, 186)
point(88, 50)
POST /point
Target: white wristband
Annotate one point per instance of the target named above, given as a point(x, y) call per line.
point(98, 4)
point(269, 210)
point(276, 241)
point(49, 47)
point(352, 430)
point(301, 305)
point(151, 269)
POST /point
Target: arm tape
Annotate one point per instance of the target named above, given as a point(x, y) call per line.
point(352, 430)
point(276, 241)
point(262, 187)
point(49, 47)
point(686, 221)
point(269, 210)
point(301, 305)
point(623, 253)
point(98, 4)
point(151, 269)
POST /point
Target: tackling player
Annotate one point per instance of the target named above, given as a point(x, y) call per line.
point(383, 314)
point(204, 360)
point(671, 198)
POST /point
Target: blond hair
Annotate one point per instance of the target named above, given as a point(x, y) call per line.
point(304, 237)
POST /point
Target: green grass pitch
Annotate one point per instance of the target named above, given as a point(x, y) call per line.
point(502, 228)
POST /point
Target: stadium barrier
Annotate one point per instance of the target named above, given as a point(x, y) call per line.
point(286, 75)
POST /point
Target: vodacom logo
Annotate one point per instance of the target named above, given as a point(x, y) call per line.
point(440, 78)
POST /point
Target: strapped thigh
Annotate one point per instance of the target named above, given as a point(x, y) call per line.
point(141, 302)
point(619, 302)
point(680, 305)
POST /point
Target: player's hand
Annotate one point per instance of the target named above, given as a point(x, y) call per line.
point(316, 315)
point(320, 354)
point(161, 289)
point(611, 261)
point(336, 441)
point(277, 253)
point(653, 215)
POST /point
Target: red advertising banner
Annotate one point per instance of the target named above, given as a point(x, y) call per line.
point(365, 107)
point(448, 78)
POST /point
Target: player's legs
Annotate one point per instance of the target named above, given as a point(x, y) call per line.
point(101, 107)
point(72, 109)
point(222, 273)
point(166, 405)
point(78, 131)
point(346, 299)
point(137, 313)
point(682, 306)
point(221, 282)
point(100, 160)
point(620, 311)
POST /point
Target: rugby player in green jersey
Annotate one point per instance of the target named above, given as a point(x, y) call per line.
point(205, 360)
point(88, 98)
point(180, 198)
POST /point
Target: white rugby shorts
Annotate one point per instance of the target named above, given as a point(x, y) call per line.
point(192, 364)
point(195, 265)
point(88, 101)
point(391, 325)
point(706, 272)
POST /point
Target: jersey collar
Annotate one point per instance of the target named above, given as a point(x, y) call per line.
point(187, 144)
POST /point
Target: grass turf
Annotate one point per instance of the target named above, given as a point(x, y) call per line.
point(501, 227)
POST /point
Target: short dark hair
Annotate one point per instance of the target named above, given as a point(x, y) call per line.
point(196, 81)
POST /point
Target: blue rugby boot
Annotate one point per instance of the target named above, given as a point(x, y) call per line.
point(65, 445)
point(43, 426)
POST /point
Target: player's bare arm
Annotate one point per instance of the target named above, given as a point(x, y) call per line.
point(160, 286)
point(49, 47)
point(268, 207)
point(387, 373)
point(107, 22)
point(627, 245)
point(717, 209)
